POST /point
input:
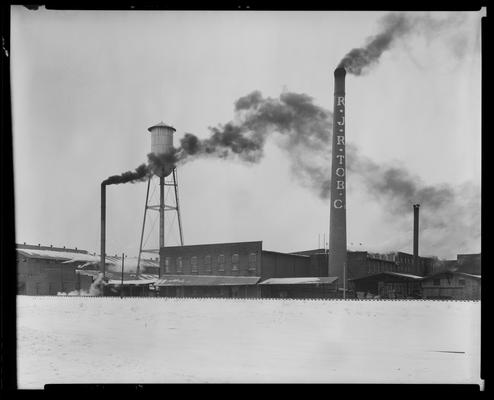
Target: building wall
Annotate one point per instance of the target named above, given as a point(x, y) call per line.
point(405, 264)
point(451, 286)
point(360, 264)
point(242, 259)
point(299, 291)
point(248, 291)
point(387, 287)
point(38, 277)
point(280, 265)
point(318, 265)
point(469, 263)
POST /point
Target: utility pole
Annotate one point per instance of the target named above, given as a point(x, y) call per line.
point(344, 281)
point(121, 286)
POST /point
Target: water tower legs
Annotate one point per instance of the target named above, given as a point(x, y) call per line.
point(162, 207)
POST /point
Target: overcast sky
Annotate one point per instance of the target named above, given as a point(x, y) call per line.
point(86, 85)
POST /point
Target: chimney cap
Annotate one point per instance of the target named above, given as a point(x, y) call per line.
point(340, 71)
point(161, 125)
point(416, 205)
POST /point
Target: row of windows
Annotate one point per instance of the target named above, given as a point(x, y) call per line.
point(437, 282)
point(208, 260)
point(385, 267)
point(379, 268)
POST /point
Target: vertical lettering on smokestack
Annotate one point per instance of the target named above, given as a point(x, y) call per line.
point(337, 222)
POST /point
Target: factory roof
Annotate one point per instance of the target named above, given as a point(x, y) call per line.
point(387, 273)
point(310, 252)
point(206, 280)
point(117, 276)
point(65, 256)
point(129, 262)
point(299, 281)
point(259, 242)
point(449, 272)
point(286, 254)
point(135, 282)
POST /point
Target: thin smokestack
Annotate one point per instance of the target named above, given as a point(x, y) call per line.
point(416, 237)
point(103, 228)
point(337, 224)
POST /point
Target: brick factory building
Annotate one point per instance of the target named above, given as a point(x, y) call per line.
point(363, 263)
point(240, 270)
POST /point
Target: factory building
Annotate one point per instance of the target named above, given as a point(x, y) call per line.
point(242, 269)
point(452, 285)
point(387, 285)
point(48, 270)
point(467, 263)
point(362, 263)
point(445, 279)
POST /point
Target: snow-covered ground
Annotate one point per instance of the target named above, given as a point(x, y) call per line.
point(158, 340)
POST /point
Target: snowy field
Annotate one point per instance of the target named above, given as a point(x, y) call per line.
point(157, 340)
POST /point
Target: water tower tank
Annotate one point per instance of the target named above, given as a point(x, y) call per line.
point(161, 138)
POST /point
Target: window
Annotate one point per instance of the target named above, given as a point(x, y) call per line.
point(193, 264)
point(167, 264)
point(436, 282)
point(179, 264)
point(207, 263)
point(221, 262)
point(253, 261)
point(461, 282)
point(235, 258)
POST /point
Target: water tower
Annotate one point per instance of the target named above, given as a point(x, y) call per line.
point(161, 143)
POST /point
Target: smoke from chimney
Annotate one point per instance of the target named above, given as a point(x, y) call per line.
point(394, 26)
point(304, 131)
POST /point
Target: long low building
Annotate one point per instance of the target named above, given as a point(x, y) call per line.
point(308, 287)
point(387, 285)
point(452, 285)
point(50, 270)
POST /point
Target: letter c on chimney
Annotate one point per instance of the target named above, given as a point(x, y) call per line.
point(340, 202)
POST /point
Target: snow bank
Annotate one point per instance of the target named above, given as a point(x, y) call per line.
point(158, 340)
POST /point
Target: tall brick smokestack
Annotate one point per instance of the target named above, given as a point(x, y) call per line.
point(337, 222)
point(416, 237)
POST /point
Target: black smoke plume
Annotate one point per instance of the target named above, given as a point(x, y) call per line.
point(161, 164)
point(394, 26)
point(300, 126)
point(138, 175)
point(304, 131)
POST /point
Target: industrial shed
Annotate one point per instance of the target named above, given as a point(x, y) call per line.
point(48, 270)
point(452, 285)
point(132, 285)
point(388, 285)
point(307, 287)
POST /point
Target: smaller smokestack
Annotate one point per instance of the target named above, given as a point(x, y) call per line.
point(416, 237)
point(103, 228)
